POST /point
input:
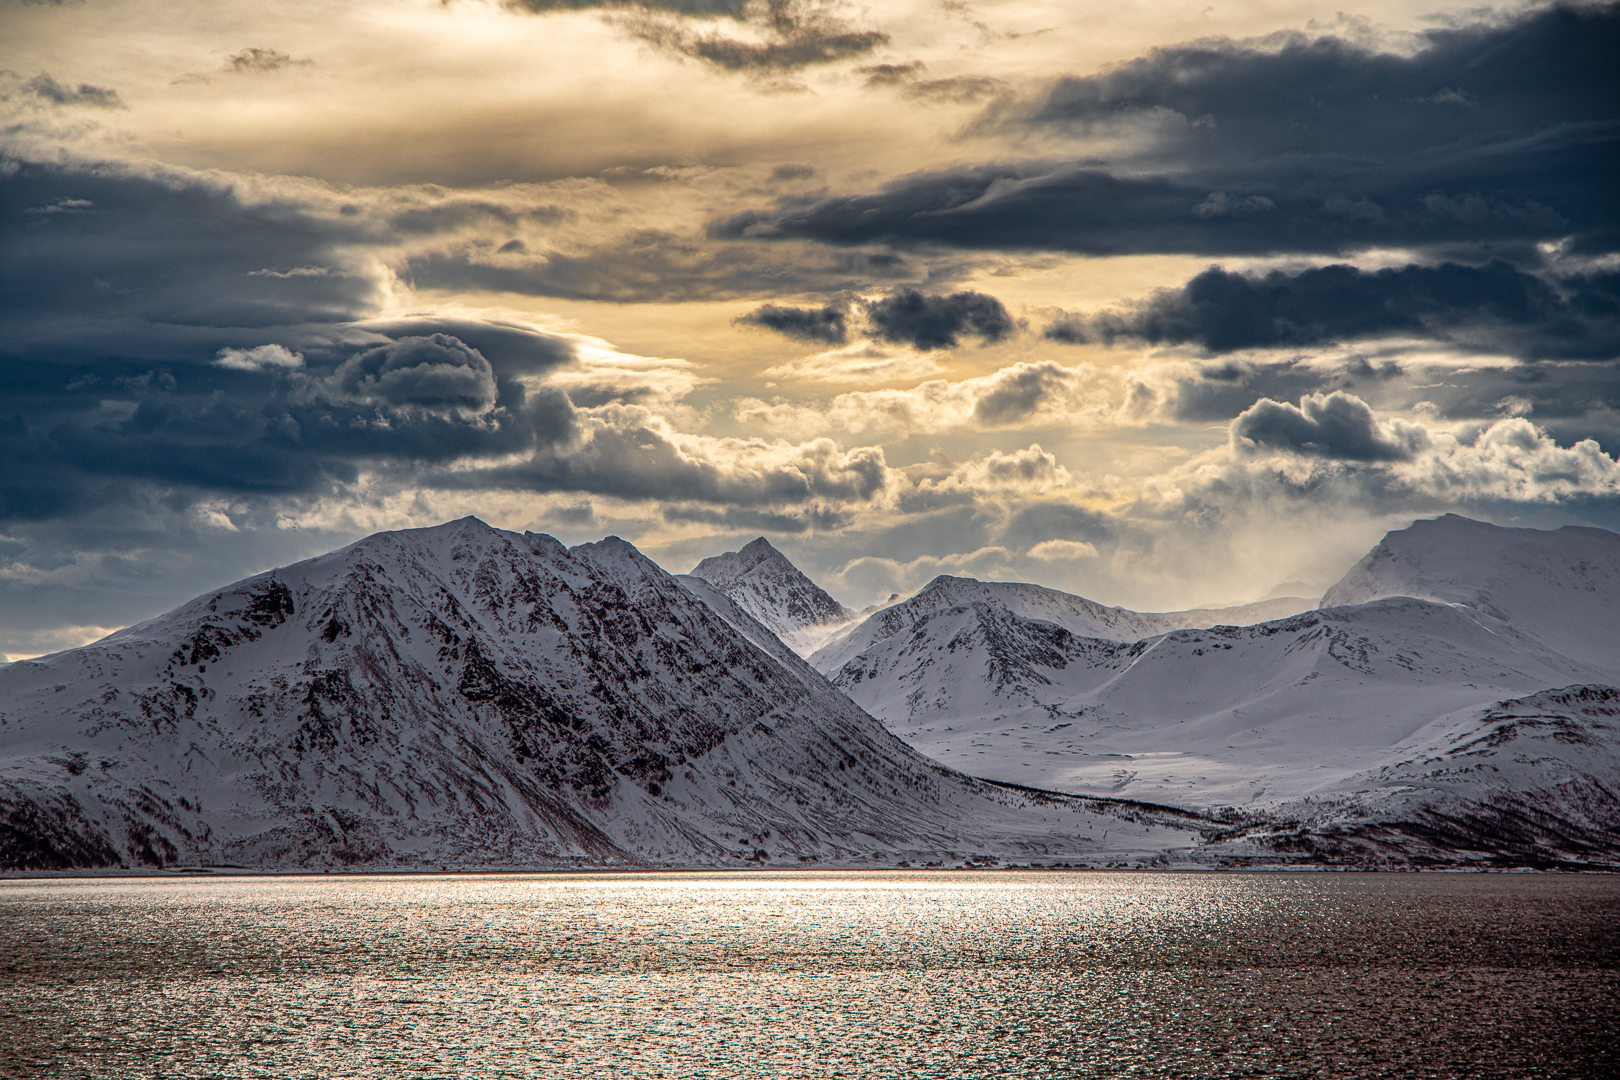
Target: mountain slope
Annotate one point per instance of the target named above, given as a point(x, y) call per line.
point(1533, 781)
point(470, 697)
point(1562, 586)
point(1024, 603)
point(765, 584)
point(1254, 716)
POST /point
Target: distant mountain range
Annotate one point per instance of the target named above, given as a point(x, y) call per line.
point(466, 697)
point(1400, 699)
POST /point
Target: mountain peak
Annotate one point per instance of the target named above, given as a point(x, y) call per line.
point(732, 565)
point(765, 584)
point(1552, 583)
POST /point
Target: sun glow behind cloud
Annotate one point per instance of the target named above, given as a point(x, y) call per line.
point(1010, 290)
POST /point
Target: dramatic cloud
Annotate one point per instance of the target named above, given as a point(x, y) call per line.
point(1536, 315)
point(437, 374)
point(908, 316)
point(829, 324)
point(110, 247)
point(1336, 425)
point(1031, 471)
point(631, 452)
point(1333, 452)
point(1488, 133)
point(905, 316)
point(75, 434)
point(508, 259)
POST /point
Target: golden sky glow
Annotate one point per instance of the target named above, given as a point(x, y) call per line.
point(656, 207)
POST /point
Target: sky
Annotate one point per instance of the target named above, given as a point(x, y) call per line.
point(1169, 304)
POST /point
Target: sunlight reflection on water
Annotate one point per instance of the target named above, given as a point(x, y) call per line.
point(793, 975)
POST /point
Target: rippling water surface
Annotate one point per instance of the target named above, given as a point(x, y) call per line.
point(812, 975)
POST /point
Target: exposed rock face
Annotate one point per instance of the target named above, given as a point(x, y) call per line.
point(462, 696)
point(760, 580)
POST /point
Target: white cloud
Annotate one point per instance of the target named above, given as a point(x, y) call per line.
point(261, 358)
point(1031, 471)
point(1510, 460)
point(1063, 550)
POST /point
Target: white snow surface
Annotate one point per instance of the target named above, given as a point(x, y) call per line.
point(466, 697)
point(764, 583)
point(1441, 622)
point(1076, 614)
point(1560, 585)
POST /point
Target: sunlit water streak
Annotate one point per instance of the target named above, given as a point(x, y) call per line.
point(789, 975)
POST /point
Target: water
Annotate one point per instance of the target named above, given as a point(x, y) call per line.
point(813, 975)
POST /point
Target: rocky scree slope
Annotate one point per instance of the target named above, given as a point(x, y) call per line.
point(465, 697)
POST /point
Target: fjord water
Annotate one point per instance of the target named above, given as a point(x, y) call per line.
point(812, 974)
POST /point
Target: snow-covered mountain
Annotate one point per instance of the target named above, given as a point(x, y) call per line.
point(1560, 585)
point(1441, 624)
point(1033, 603)
point(1526, 782)
point(764, 583)
point(463, 696)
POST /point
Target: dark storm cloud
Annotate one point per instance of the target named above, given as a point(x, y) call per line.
point(91, 246)
point(161, 331)
point(1492, 133)
point(72, 433)
point(923, 321)
point(634, 461)
point(1573, 400)
point(510, 349)
point(1216, 392)
point(1336, 425)
point(436, 374)
point(172, 342)
point(1535, 316)
point(50, 90)
point(828, 324)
